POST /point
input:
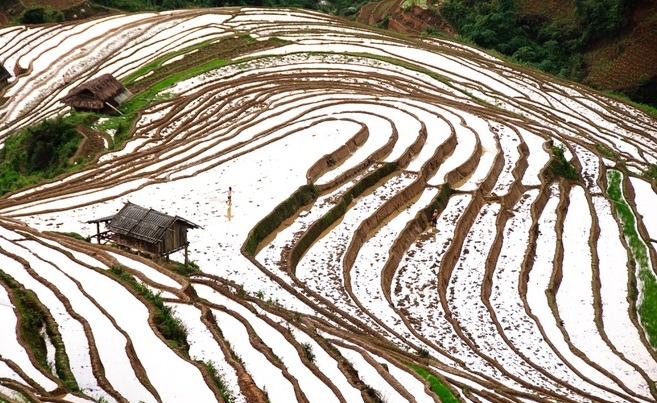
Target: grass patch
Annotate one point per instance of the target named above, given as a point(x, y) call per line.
point(308, 351)
point(606, 152)
point(647, 303)
point(218, 381)
point(560, 166)
point(75, 235)
point(44, 151)
point(150, 95)
point(191, 268)
point(118, 127)
point(170, 327)
point(651, 173)
point(443, 392)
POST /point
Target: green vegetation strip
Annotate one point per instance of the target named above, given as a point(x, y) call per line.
point(171, 327)
point(33, 319)
point(444, 393)
point(304, 195)
point(647, 306)
point(337, 211)
point(147, 97)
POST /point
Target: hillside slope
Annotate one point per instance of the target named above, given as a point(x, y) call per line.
point(409, 220)
point(623, 62)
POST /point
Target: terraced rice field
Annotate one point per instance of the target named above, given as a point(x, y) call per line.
point(323, 280)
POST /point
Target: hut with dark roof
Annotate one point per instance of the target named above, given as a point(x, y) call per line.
point(101, 94)
point(4, 74)
point(145, 230)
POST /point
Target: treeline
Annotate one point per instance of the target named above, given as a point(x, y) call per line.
point(554, 46)
point(161, 5)
point(336, 7)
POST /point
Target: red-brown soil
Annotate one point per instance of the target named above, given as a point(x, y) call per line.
point(413, 19)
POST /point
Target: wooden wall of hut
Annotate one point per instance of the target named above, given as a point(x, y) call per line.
point(175, 237)
point(143, 246)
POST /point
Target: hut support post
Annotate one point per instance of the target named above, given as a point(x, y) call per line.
point(98, 232)
point(113, 108)
point(186, 245)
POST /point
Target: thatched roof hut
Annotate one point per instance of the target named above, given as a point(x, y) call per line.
point(4, 74)
point(104, 93)
point(145, 230)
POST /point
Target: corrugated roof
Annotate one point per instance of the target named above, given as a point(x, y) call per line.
point(142, 223)
point(94, 93)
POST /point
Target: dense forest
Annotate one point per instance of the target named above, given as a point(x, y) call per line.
point(554, 46)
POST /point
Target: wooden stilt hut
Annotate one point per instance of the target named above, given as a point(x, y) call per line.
point(102, 94)
point(145, 230)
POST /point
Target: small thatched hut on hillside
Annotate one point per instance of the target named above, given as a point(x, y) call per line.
point(4, 74)
point(145, 230)
point(101, 94)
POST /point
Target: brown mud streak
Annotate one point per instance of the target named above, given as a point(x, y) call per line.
point(60, 386)
point(96, 364)
point(183, 294)
point(293, 342)
point(446, 267)
point(129, 347)
point(630, 196)
point(527, 264)
point(409, 234)
point(597, 298)
point(335, 158)
point(374, 157)
point(102, 254)
point(555, 281)
point(20, 388)
point(507, 202)
point(379, 346)
point(16, 368)
point(248, 301)
point(392, 381)
point(530, 255)
point(490, 265)
point(257, 343)
point(367, 226)
point(246, 384)
point(110, 261)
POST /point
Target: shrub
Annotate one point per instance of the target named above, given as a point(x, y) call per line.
point(41, 16)
point(219, 382)
point(651, 172)
point(308, 350)
point(37, 153)
point(560, 166)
